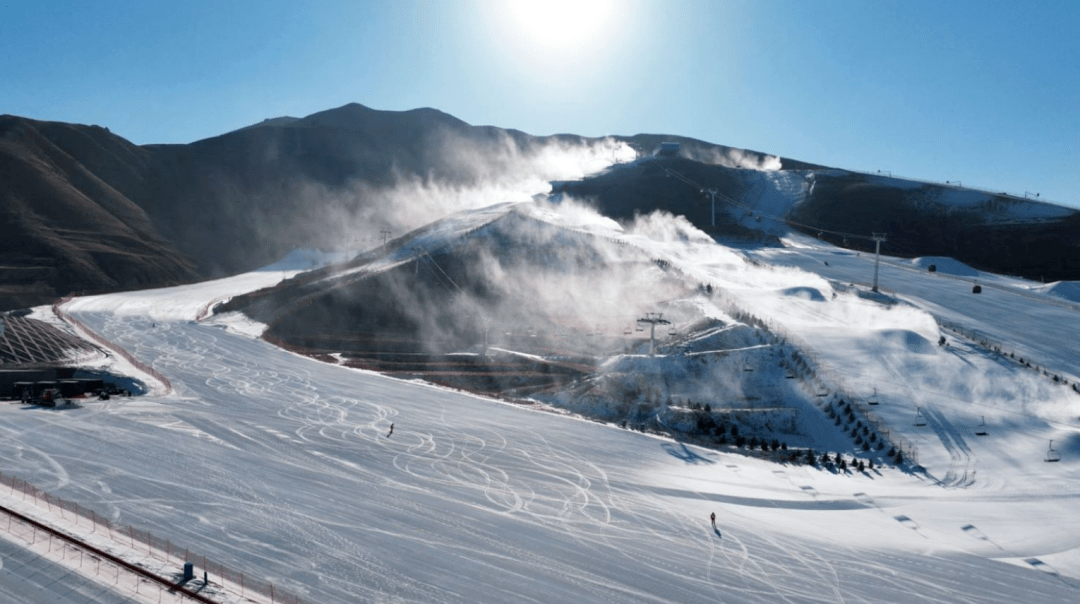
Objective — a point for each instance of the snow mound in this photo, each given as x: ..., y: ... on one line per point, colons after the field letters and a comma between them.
x: 947, y: 265
x: 812, y: 294
x: 908, y: 340
x: 1070, y: 290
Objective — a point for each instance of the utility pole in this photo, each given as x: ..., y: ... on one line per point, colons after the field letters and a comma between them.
x: 712, y: 193
x: 653, y: 319
x: 878, y: 239
x: 384, y: 234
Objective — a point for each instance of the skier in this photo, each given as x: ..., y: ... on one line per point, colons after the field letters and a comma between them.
x: 391, y: 431
x: 712, y: 517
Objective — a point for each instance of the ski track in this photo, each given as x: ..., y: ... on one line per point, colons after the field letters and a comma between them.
x: 961, y: 472
x: 367, y: 516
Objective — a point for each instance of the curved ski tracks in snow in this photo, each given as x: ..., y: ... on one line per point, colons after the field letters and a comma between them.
x: 288, y: 469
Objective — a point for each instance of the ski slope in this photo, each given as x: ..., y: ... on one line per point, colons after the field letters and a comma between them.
x: 281, y: 465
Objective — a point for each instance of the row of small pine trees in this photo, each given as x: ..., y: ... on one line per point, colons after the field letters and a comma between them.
x: 838, y: 461
x: 861, y: 434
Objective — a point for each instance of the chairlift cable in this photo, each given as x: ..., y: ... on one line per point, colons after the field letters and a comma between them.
x: 735, y: 202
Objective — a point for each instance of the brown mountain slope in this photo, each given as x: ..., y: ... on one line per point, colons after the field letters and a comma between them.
x: 66, y: 225
x: 246, y: 198
x: 85, y: 210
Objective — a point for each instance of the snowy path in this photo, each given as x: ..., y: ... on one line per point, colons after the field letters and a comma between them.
x: 27, y: 578
x: 282, y: 465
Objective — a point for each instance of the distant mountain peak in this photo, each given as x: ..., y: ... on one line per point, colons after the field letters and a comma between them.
x: 355, y: 115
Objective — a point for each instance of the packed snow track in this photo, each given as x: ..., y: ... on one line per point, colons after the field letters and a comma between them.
x: 283, y: 465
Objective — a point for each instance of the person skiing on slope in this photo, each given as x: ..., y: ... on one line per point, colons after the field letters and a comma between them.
x: 391, y: 431
x: 712, y: 518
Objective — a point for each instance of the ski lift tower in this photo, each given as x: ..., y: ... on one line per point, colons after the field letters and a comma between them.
x: 878, y: 239
x: 653, y: 319
x: 712, y: 193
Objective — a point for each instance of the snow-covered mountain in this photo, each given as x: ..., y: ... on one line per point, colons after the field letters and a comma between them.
x: 87, y: 211
x: 996, y: 232
x: 281, y: 465
x: 481, y: 396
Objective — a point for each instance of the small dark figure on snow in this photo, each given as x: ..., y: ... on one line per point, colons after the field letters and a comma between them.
x: 712, y: 518
x: 391, y: 431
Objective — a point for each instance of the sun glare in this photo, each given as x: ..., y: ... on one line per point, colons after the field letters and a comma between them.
x: 555, y: 23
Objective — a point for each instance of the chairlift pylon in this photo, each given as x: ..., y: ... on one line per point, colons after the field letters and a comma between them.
x: 980, y: 430
x: 1051, y: 454
x: 920, y: 419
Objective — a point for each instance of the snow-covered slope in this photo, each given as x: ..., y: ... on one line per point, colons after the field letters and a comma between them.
x: 282, y: 465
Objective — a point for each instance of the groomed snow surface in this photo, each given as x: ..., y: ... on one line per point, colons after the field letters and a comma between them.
x: 282, y: 466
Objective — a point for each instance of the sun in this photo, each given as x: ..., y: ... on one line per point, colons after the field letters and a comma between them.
x: 549, y: 44
x: 557, y: 23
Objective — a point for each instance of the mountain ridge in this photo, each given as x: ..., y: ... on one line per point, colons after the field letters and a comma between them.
x: 91, y: 211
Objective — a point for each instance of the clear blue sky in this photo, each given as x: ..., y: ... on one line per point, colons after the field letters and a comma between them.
x: 983, y: 92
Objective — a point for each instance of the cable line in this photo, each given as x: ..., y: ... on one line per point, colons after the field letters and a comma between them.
x: 735, y: 202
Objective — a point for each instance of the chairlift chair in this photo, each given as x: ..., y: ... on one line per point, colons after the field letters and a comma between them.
x: 980, y: 430
x: 873, y: 400
x: 1051, y: 454
x: 920, y: 419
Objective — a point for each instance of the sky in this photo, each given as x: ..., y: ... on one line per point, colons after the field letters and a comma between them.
x: 984, y: 93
